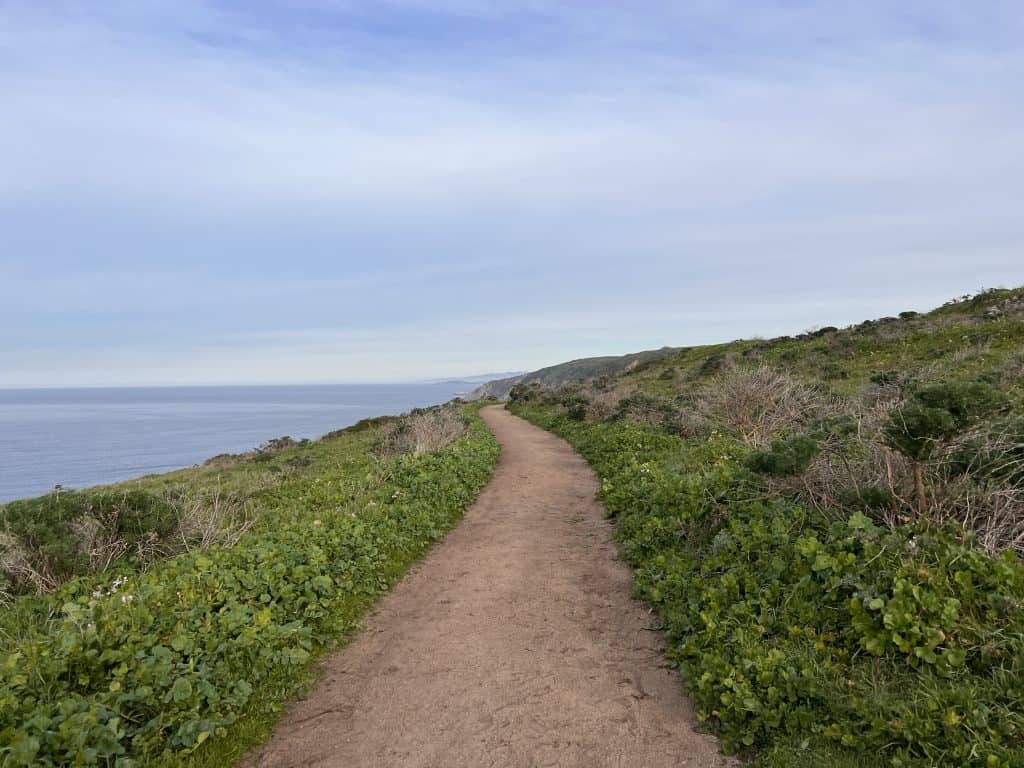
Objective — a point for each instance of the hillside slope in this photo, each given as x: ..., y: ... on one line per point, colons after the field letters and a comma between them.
x: 830, y: 527
x: 572, y: 371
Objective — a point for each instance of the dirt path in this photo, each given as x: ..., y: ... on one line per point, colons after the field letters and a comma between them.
x: 515, y: 642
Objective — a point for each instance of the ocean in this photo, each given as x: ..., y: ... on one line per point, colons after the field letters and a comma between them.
x: 83, y: 437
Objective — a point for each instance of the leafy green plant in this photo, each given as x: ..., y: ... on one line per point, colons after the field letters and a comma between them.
x: 936, y: 414
x: 56, y: 529
x: 865, y: 644
x: 170, y: 662
x: 576, y: 406
x: 789, y: 455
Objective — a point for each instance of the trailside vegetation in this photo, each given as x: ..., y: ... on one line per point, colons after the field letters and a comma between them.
x: 830, y: 529
x: 188, y: 658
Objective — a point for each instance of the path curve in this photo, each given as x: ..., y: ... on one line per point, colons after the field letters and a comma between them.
x: 514, y: 642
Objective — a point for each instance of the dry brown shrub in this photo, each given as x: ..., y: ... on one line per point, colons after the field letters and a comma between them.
x: 985, y: 494
x: 970, y: 352
x: 1013, y: 372
x: 854, y: 463
x: 603, y: 403
x: 22, y: 567
x: 425, y: 431
x: 202, y: 521
x: 225, y: 460
x: 646, y: 410
x: 758, y: 403
x: 97, y: 539
x: 211, y: 520
x: 993, y: 513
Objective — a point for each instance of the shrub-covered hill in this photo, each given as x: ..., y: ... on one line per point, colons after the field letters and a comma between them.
x: 164, y: 621
x: 572, y: 371
x: 830, y: 527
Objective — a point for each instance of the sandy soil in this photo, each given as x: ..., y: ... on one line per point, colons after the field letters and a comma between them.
x: 515, y: 642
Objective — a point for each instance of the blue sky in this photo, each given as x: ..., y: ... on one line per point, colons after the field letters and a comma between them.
x: 235, y: 191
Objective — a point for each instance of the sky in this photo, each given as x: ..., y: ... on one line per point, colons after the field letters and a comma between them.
x: 288, y: 191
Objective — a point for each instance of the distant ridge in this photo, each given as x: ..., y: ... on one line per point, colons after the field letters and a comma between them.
x: 479, y: 378
x: 574, y: 370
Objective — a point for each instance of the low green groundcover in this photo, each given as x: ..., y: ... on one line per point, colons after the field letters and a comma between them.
x: 129, y: 670
x: 902, y: 647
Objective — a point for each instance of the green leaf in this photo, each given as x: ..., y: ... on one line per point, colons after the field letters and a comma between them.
x: 181, y: 690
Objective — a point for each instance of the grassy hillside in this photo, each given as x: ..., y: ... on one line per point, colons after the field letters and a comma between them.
x: 164, y: 621
x: 572, y: 371
x: 830, y: 526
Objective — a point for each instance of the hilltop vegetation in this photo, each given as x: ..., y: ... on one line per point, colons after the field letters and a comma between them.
x: 166, y: 620
x: 830, y: 526
x: 572, y: 371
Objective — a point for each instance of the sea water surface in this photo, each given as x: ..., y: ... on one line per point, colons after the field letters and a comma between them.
x: 83, y: 437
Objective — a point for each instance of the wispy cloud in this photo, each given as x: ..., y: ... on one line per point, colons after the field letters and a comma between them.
x: 194, y: 170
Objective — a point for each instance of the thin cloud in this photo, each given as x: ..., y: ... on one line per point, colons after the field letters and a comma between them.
x: 194, y: 174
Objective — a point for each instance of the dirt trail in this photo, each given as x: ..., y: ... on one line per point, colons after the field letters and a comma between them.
x: 515, y: 642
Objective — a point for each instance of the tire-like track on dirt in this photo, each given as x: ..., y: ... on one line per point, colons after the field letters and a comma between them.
x: 515, y: 642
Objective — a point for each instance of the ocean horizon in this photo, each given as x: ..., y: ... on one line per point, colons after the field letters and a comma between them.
x: 81, y: 437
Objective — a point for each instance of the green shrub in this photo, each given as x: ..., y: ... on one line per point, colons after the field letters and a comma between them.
x: 965, y: 401
x: 935, y: 415
x: 903, y: 647
x: 787, y: 456
x: 871, y: 499
x: 712, y: 364
x: 46, y: 526
x: 576, y: 406
x: 167, y: 661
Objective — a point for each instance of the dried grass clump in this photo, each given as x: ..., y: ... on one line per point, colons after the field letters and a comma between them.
x: 853, y: 465
x: 425, y: 431
x: 971, y: 352
x: 995, y: 514
x: 98, y: 539
x: 975, y: 481
x: 604, y: 402
x: 758, y: 403
x: 21, y: 567
x: 978, y: 481
x: 209, y: 521
x: 647, y: 410
x: 1012, y: 374
x: 106, y: 534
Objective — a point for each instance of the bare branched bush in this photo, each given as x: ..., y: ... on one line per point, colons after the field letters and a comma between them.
x: 758, y: 403
x: 854, y: 467
x: 975, y: 481
x: 98, y: 539
x: 105, y: 534
x: 978, y: 481
x: 425, y: 431
x: 22, y: 567
x: 647, y: 410
x: 211, y: 520
x: 602, y: 406
x: 604, y: 402
x: 994, y: 513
